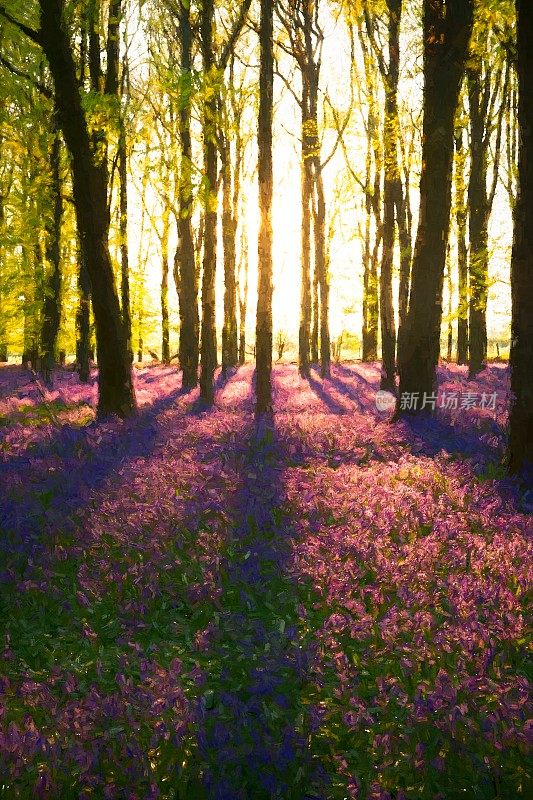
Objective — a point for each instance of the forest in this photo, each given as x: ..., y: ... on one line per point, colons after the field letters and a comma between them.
x: 266, y: 399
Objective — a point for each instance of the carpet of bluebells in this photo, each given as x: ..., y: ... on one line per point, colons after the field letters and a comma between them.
x: 315, y: 606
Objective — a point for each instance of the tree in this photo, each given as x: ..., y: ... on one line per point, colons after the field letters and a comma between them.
x: 486, y: 81
x: 264, y: 299
x: 214, y: 65
x: 90, y: 185
x: 521, y: 419
x: 447, y: 29
x: 52, y: 291
x: 184, y: 262
x: 393, y: 204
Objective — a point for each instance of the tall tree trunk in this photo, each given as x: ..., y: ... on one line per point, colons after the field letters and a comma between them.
x: 315, y: 308
x: 304, y: 336
x: 230, y: 353
x: 391, y: 186
x: 3, y: 342
x: 322, y: 271
x: 83, y: 319
x: 447, y: 31
x: 243, y: 296
x: 372, y: 188
x: 449, y: 350
x: 123, y: 230
x: 165, y: 336
x: 521, y: 421
x: 462, y: 250
x: 52, y: 293
x: 209, y: 335
x: 264, y: 298
x: 184, y: 264
x: 116, y: 393
x: 479, y: 221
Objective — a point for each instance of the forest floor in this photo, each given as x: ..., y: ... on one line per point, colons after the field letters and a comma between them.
x: 320, y: 605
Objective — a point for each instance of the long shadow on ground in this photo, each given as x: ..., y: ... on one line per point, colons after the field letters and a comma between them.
x: 252, y: 721
x: 54, y: 478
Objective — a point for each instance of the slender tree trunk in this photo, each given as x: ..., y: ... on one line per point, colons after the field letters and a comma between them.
x: 447, y: 30
x: 243, y: 297
x: 322, y: 272
x: 315, y: 309
x: 184, y: 264
x: 479, y: 221
x: 230, y: 354
x: 390, y: 189
x: 304, y: 336
x: 449, y: 350
x: 264, y: 298
x: 83, y: 319
x: 462, y: 250
x: 123, y: 230
x: 370, y: 254
x: 116, y: 393
x: 209, y: 336
x: 165, y: 335
x: 3, y: 342
x: 521, y: 420
x: 52, y: 293
x: 405, y: 226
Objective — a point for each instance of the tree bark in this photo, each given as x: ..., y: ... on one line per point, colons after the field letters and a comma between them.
x: 83, y: 319
x: 447, y: 31
x: 243, y: 296
x: 264, y: 298
x: 184, y: 263
x: 52, y: 292
x: 116, y: 393
x: 478, y: 222
x: 230, y: 349
x: 391, y: 186
x: 304, y: 336
x: 321, y: 267
x: 462, y: 251
x: 521, y: 419
x: 165, y: 335
x: 209, y: 335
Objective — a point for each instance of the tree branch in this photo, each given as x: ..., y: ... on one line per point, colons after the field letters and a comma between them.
x: 35, y: 36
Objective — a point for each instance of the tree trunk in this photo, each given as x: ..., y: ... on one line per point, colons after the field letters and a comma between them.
x: 52, y: 293
x: 124, y: 253
x: 462, y: 252
x: 165, y: 335
x: 521, y: 420
x: 315, y: 309
x: 230, y: 354
x: 116, y: 393
x: 370, y: 254
x: 479, y: 220
x: 243, y: 297
x: 184, y: 263
x: 390, y: 188
x: 321, y: 268
x: 447, y: 30
x: 304, y: 336
x: 264, y: 298
x: 83, y: 320
x: 209, y: 335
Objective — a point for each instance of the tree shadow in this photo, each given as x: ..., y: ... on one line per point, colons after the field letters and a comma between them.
x: 252, y: 722
x: 53, y: 479
x: 332, y: 405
